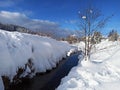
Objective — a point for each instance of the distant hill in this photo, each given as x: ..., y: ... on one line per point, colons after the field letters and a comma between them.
x: 12, y: 28
x: 57, y: 34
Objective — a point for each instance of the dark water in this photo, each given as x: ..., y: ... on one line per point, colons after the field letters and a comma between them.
x: 51, y: 79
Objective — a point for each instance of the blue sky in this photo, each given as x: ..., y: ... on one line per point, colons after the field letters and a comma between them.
x: 63, y: 12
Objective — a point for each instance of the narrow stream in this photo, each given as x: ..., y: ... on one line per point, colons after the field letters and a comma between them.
x: 51, y: 79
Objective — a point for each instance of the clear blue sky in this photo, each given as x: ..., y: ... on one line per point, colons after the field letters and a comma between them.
x: 64, y: 12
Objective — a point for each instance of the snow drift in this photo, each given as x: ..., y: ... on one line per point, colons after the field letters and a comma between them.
x: 102, y: 72
x: 17, y: 48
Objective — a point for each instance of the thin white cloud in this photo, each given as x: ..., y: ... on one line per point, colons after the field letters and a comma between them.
x: 12, y: 17
x: 34, y: 24
x: 7, y: 14
x: 22, y: 19
x: 8, y: 3
x: 71, y: 21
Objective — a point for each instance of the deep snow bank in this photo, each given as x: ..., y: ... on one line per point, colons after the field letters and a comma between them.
x: 17, y: 48
x: 102, y: 73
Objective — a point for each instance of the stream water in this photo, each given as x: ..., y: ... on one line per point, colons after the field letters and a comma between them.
x: 51, y: 79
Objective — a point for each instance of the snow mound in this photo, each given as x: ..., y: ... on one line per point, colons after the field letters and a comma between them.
x: 102, y: 72
x: 80, y: 45
x: 16, y: 49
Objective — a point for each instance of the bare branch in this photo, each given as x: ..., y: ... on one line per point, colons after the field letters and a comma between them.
x: 90, y: 22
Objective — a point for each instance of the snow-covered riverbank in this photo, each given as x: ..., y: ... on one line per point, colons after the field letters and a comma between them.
x: 102, y: 72
x: 18, y: 49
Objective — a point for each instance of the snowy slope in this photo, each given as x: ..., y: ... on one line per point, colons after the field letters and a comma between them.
x: 17, y: 48
x: 102, y: 73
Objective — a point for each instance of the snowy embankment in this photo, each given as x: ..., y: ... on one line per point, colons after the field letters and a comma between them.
x: 30, y: 52
x: 102, y: 72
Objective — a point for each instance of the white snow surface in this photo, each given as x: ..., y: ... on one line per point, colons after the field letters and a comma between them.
x: 16, y: 48
x: 102, y: 72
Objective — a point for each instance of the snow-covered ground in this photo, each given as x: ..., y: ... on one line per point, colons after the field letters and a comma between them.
x: 17, y: 48
x: 102, y: 72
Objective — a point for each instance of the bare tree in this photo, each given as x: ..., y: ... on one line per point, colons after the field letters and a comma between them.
x: 90, y: 21
x: 96, y: 37
x: 113, y: 35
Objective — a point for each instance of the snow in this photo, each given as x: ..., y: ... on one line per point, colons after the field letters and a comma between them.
x: 17, y: 48
x: 80, y: 46
x: 83, y: 17
x: 102, y: 72
x: 72, y: 50
x: 91, y: 11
